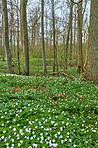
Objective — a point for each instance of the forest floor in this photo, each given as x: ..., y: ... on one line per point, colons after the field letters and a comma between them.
x: 47, y: 111
x: 36, y: 66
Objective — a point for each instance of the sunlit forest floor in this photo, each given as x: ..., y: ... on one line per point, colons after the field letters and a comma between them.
x: 47, y: 111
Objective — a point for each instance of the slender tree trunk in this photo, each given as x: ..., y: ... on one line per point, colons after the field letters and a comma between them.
x: 46, y: 31
x: 54, y: 64
x: 71, y: 36
x: 6, y: 36
x: 54, y: 45
x: 34, y: 35
x: 80, y: 20
x: 38, y: 35
x: 1, y: 36
x: 14, y: 46
x: 68, y: 33
x: 75, y: 50
x: 85, y: 64
x: 13, y: 31
x: 32, y: 38
x: 50, y: 33
x: 64, y: 45
x: 3, y: 47
x: 42, y: 33
x: 21, y: 26
x: 18, y: 53
x: 11, y: 27
x: 25, y: 37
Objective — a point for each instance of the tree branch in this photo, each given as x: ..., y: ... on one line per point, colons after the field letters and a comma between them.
x: 76, y: 2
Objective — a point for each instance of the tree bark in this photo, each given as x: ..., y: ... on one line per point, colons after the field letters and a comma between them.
x: 6, y: 36
x: 92, y: 64
x: 71, y: 35
x: 80, y: 21
x: 42, y: 34
x: 21, y: 26
x: 18, y: 53
x: 75, y: 48
x: 25, y: 37
x: 68, y: 33
x: 85, y: 64
x: 11, y: 26
x: 54, y: 45
x: 3, y: 48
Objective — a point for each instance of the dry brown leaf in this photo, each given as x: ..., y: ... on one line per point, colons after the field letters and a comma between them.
x: 53, y: 127
x: 80, y: 96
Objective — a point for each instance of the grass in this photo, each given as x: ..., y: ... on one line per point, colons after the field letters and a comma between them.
x: 36, y: 66
x: 36, y: 61
x: 3, y: 66
x: 47, y: 112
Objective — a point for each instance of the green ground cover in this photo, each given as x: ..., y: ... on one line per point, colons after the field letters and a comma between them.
x: 36, y: 66
x: 48, y: 112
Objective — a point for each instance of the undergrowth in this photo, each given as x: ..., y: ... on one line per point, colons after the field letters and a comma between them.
x: 47, y: 112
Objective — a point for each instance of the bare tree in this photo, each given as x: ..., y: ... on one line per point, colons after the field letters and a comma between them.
x: 80, y: 21
x: 68, y: 33
x: 25, y: 37
x: 54, y: 44
x: 6, y: 36
x: 42, y: 34
x: 71, y: 35
x: 18, y: 51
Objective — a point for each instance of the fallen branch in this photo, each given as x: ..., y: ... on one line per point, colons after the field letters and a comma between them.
x: 57, y: 73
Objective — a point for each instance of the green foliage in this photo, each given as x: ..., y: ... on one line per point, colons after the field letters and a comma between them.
x: 47, y: 112
x: 3, y: 66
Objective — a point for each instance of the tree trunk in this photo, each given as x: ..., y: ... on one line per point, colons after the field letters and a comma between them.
x: 25, y: 37
x: 42, y: 33
x: 92, y: 64
x: 11, y: 26
x: 21, y: 26
x: 1, y: 36
x: 75, y: 50
x: 85, y: 64
x: 68, y: 33
x: 13, y: 31
x: 71, y: 35
x: 46, y: 30
x: 80, y: 21
x: 18, y: 53
x: 50, y: 36
x: 54, y: 45
x: 3, y: 47
x: 6, y: 36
